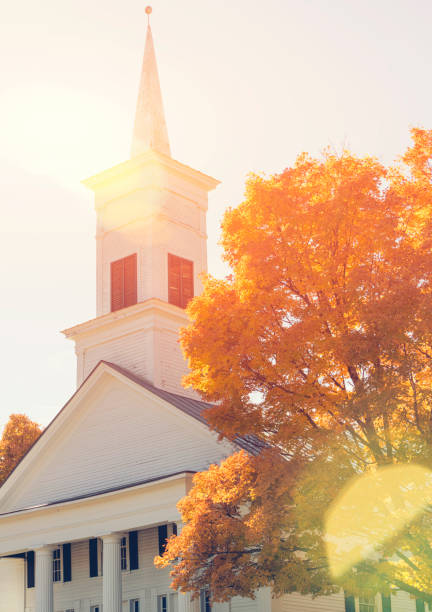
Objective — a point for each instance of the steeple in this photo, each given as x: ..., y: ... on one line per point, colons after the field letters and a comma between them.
x: 151, y: 251
x: 150, y: 130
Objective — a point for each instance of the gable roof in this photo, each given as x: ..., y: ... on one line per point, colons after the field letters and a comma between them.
x: 190, y: 407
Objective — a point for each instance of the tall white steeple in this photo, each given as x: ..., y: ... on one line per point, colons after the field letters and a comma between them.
x: 150, y: 130
x: 151, y: 250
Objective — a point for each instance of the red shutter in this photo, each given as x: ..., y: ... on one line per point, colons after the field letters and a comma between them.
x: 130, y: 280
x: 180, y: 281
x: 174, y: 280
x: 117, y: 283
x: 187, y: 289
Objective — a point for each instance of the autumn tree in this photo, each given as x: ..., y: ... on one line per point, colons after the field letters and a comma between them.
x: 18, y: 435
x: 320, y: 344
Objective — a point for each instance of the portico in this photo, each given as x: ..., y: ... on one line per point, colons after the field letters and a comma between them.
x: 43, y: 529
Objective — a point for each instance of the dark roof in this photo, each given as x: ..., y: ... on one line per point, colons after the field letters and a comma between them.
x: 192, y: 407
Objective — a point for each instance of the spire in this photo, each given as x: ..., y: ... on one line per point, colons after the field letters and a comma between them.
x: 150, y: 130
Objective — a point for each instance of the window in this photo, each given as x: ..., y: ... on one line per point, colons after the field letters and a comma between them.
x: 133, y: 550
x: 70, y: 610
x: 366, y: 604
x: 67, y: 562
x: 162, y: 603
x: 134, y: 605
x: 57, y: 573
x: 162, y: 535
x: 30, y: 569
x: 123, y: 553
x: 205, y: 605
x: 180, y: 281
x: 95, y: 609
x: 123, y: 282
x: 93, y: 557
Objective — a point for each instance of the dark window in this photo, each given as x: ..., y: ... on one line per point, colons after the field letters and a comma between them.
x: 180, y: 281
x: 30, y: 569
x: 162, y: 603
x: 93, y: 557
x: 123, y: 554
x: 205, y: 605
x: 133, y: 550
x: 57, y: 568
x: 174, y: 528
x: 124, y: 282
x: 386, y: 603
x: 349, y: 603
x: 67, y: 563
x: 163, y: 534
x: 134, y: 605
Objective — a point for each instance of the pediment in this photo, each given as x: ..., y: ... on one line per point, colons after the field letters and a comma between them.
x: 116, y: 431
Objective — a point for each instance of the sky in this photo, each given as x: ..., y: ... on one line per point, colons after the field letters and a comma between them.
x: 247, y: 86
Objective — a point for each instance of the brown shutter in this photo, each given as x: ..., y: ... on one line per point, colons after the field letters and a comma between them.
x: 117, y: 283
x: 187, y: 289
x: 130, y: 280
x: 174, y: 280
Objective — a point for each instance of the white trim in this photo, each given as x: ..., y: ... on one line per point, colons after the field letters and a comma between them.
x: 23, y: 471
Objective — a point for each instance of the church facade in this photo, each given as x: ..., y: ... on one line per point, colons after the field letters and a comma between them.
x: 91, y: 504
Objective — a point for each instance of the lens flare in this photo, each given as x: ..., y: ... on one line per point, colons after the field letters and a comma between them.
x: 372, y: 509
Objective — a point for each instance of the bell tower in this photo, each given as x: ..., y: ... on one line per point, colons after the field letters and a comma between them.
x: 150, y: 249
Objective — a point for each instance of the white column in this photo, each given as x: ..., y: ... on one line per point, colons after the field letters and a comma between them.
x: 264, y: 599
x: 44, y: 579
x: 184, y: 602
x: 112, y: 580
x: 153, y: 600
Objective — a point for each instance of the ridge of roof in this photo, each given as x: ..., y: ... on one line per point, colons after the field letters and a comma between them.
x: 192, y: 407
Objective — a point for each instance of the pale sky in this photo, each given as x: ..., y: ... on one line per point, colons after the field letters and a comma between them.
x: 247, y: 85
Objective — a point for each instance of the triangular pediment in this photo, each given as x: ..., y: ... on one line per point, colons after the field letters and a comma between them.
x: 116, y: 431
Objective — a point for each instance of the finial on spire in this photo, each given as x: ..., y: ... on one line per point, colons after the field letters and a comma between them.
x: 148, y: 10
x: 150, y: 131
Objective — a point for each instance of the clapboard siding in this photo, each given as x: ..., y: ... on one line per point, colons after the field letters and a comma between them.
x: 402, y: 602
x: 120, y: 436
x: 173, y: 367
x: 305, y: 603
x: 240, y: 604
x: 132, y: 352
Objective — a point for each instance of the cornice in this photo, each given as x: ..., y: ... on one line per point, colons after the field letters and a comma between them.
x: 111, y: 319
x: 148, y: 158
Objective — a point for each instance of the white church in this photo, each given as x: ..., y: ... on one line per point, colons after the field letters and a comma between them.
x: 91, y: 504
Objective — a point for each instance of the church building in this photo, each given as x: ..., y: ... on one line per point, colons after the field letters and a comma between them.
x: 91, y: 504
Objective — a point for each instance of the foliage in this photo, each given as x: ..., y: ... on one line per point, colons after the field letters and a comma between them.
x: 320, y: 343
x: 18, y: 435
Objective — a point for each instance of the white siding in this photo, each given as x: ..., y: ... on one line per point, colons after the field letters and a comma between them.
x: 402, y: 602
x: 240, y: 604
x: 133, y: 352
x: 295, y: 602
x: 11, y: 585
x: 120, y: 436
